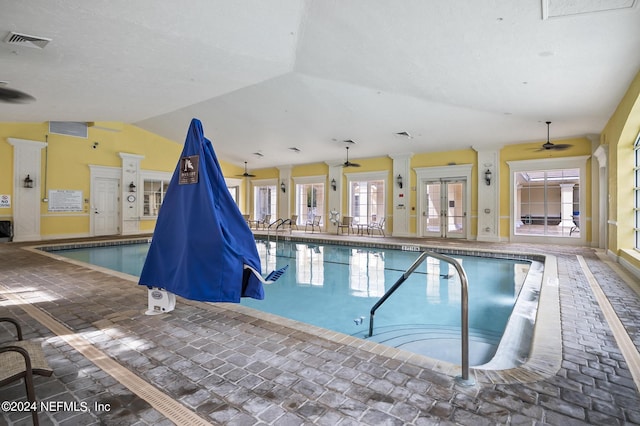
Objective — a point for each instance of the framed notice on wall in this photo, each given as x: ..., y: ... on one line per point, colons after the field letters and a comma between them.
x: 65, y: 200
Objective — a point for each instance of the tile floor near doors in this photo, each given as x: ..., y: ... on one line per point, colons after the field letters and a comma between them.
x: 217, y: 364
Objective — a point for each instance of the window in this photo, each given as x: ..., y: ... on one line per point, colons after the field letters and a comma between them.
x: 235, y: 192
x: 366, y: 200
x: 636, y: 190
x: 548, y: 199
x: 310, y: 199
x: 154, y: 191
x: 234, y: 189
x: 264, y: 202
x: 548, y: 203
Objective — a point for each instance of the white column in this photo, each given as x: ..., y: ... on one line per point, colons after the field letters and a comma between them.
x: 488, y: 195
x: 131, y: 198
x: 284, y: 198
x: 566, y: 204
x: 334, y: 198
x: 401, y: 202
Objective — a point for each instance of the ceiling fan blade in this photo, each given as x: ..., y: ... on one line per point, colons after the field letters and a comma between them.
x: 12, y: 96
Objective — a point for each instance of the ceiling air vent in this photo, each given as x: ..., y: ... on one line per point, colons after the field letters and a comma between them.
x: 18, y: 39
x: 69, y: 128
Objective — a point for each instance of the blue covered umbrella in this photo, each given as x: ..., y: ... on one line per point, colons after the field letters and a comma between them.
x: 202, y: 247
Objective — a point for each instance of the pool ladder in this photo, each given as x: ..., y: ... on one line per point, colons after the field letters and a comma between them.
x: 278, y: 223
x: 464, y: 308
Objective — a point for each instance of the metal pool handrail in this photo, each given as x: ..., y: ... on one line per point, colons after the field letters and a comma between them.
x: 464, y: 308
x: 279, y: 222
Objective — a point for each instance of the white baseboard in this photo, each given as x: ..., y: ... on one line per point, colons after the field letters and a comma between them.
x: 629, y: 267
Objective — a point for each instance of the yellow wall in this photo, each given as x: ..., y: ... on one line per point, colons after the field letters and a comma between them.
x: 315, y: 169
x: 620, y: 134
x: 67, y: 161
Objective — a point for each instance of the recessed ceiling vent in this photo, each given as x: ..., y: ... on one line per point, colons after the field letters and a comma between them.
x: 25, y: 40
x: 69, y: 128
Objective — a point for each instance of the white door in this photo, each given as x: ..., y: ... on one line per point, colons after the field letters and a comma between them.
x: 106, y: 202
x: 444, y: 212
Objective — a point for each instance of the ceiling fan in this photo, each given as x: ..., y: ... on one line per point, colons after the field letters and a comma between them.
x: 246, y: 174
x: 549, y: 145
x: 13, y: 96
x: 349, y: 163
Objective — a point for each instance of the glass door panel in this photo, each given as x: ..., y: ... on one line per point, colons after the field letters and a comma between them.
x: 444, y: 213
x: 432, y: 213
x: 456, y: 211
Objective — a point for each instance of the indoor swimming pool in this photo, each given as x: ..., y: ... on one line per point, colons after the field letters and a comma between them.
x: 335, y: 286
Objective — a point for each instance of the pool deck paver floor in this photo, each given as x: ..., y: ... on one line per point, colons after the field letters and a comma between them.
x: 238, y: 369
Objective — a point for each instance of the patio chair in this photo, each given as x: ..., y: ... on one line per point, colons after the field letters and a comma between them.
x: 264, y: 223
x: 376, y: 226
x: 22, y: 359
x: 293, y: 222
x: 576, y: 223
x: 347, y: 222
x: 313, y: 223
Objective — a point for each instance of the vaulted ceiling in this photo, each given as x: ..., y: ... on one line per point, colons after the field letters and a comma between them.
x: 265, y: 76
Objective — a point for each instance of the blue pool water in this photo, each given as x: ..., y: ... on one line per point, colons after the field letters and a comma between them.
x: 334, y: 287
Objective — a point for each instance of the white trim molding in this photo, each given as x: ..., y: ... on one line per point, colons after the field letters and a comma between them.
x: 425, y: 174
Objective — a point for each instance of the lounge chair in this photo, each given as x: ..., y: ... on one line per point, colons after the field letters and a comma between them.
x: 313, y: 223
x: 293, y: 222
x: 347, y: 222
x: 264, y: 223
x: 21, y: 359
x: 376, y: 226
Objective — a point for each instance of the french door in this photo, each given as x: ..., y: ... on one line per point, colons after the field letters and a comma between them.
x: 444, y: 213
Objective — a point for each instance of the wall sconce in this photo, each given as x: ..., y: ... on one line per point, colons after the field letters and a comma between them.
x: 283, y: 187
x: 132, y: 187
x: 28, y: 182
x: 334, y: 185
x: 487, y: 177
x: 399, y: 181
